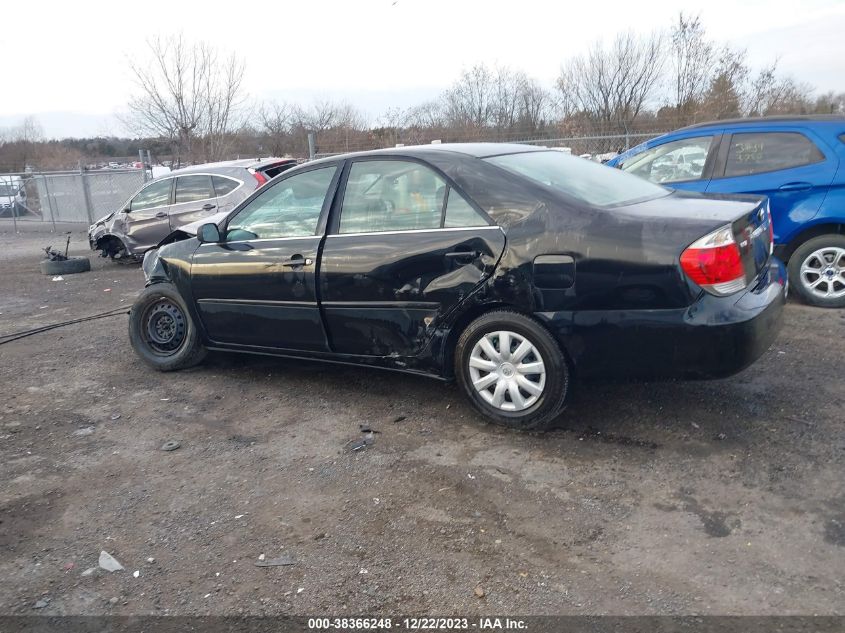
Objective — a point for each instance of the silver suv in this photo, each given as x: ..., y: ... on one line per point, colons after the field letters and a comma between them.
x: 181, y: 197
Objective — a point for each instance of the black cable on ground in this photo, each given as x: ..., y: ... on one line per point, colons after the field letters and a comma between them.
x: 8, y: 338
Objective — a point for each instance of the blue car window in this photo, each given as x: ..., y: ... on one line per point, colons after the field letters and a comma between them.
x: 759, y: 152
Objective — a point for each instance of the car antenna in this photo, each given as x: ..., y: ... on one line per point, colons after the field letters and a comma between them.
x: 67, y: 244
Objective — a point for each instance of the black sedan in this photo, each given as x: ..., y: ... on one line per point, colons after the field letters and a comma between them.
x: 512, y: 269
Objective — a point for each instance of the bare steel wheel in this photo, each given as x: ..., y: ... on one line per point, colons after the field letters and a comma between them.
x: 164, y: 327
x: 817, y: 271
x: 162, y: 331
x: 512, y: 370
x: 507, y: 370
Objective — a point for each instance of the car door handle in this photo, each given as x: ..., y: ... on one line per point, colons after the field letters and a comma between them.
x: 298, y: 261
x: 208, y: 207
x: 161, y: 214
x: 796, y: 186
x: 462, y: 254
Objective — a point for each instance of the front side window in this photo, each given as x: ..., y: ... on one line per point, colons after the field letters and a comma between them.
x: 391, y: 195
x: 193, y: 188
x: 290, y: 208
x: 156, y: 194
x: 759, y: 152
x: 671, y: 162
x: 579, y: 178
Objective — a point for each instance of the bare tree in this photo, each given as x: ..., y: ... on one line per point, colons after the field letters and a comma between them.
x: 691, y: 62
x: 611, y: 86
x: 19, y: 144
x: 770, y: 93
x: 469, y: 102
x: 830, y: 103
x: 276, y: 120
x: 189, y: 94
x: 726, y: 95
x: 325, y: 115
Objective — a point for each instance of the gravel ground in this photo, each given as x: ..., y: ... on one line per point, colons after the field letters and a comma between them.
x: 723, y: 497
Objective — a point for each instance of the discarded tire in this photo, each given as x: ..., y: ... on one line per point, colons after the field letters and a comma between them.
x: 65, y: 266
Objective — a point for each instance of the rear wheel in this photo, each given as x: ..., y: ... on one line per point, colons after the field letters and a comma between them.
x: 161, y: 330
x: 817, y: 271
x: 512, y: 370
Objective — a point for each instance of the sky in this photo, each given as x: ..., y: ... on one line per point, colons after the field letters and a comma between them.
x: 66, y: 63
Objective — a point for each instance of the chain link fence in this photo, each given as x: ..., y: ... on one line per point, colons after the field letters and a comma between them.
x: 50, y: 198
x: 81, y: 197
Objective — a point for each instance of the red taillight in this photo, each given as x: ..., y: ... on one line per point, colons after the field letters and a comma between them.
x: 261, y: 178
x: 714, y: 263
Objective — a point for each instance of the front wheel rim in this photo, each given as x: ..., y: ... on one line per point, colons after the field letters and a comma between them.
x: 164, y: 327
x: 507, y: 371
x: 823, y: 273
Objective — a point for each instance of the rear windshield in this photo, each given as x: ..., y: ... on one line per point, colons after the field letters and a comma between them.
x: 590, y: 182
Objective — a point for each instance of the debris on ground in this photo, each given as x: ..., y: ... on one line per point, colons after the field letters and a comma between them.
x: 68, y: 566
x: 366, y: 428
x: 55, y: 256
x: 88, y: 571
x: 479, y: 591
x: 85, y: 430
x: 136, y: 573
x: 398, y: 418
x: 170, y: 445
x: 367, y: 439
x: 282, y: 561
x: 109, y: 562
x: 40, y: 604
x: 151, y: 560
x: 58, y: 278
x: 116, y: 416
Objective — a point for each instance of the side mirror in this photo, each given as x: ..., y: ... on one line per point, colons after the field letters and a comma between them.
x: 209, y: 233
x: 127, y: 210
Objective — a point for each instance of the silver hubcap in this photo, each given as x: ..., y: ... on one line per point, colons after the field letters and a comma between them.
x: 823, y: 272
x: 507, y: 370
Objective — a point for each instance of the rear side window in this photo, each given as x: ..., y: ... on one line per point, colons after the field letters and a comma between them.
x: 459, y: 213
x: 193, y: 188
x: 391, y: 195
x: 759, y: 152
x: 580, y: 178
x: 223, y: 185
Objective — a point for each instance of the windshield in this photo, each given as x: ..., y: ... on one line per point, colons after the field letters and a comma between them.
x: 7, y: 191
x: 580, y: 178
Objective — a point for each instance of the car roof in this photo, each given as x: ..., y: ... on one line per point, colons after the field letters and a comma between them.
x: 763, y: 120
x: 476, y: 150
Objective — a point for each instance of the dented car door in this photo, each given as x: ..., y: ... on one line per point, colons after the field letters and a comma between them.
x: 406, y: 248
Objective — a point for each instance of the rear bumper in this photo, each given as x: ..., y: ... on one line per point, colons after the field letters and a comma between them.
x: 713, y: 338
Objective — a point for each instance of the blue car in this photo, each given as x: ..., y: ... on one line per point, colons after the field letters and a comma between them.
x: 797, y: 161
